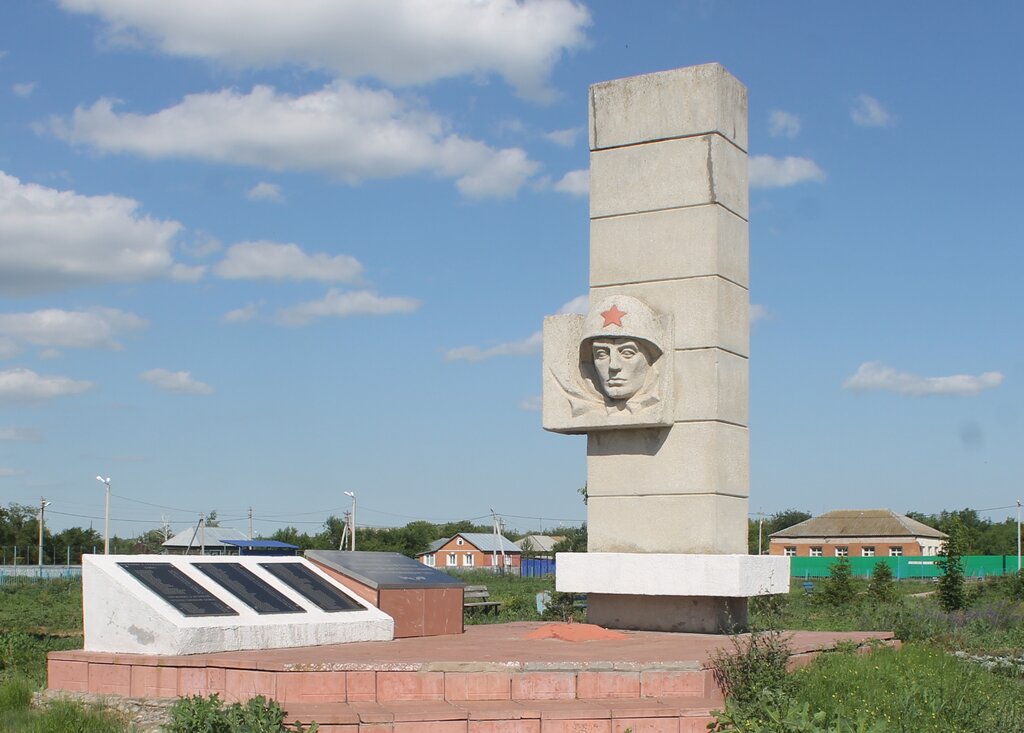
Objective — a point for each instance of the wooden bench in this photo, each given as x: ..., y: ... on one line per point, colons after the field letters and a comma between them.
x: 475, y: 598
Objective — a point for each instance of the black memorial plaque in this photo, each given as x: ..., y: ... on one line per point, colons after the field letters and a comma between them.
x: 252, y: 590
x: 384, y: 569
x: 310, y: 585
x: 177, y: 589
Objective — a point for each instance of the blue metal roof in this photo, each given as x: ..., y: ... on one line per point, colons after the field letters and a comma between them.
x: 261, y: 543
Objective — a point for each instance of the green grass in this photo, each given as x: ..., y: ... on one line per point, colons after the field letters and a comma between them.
x: 36, y: 617
x: 921, y: 688
x: 57, y: 717
x: 42, y: 606
x: 517, y: 596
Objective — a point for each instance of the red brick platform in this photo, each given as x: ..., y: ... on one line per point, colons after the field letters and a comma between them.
x: 492, y: 679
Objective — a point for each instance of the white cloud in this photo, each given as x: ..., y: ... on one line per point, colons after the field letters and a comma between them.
x: 25, y: 384
x: 264, y: 191
x: 533, y: 403
x: 565, y: 138
x: 579, y: 305
x: 273, y: 261
x: 869, y: 112
x: 25, y: 89
x: 245, y: 313
x: 768, y: 172
x: 758, y: 313
x: 19, y: 435
x: 178, y: 382
x: 340, y: 304
x: 399, y: 42
x: 876, y: 376
x: 345, y: 131
x: 96, y: 328
x: 575, y: 183
x: 783, y: 124
x: 532, y: 344
x: 8, y: 348
x: 51, y: 240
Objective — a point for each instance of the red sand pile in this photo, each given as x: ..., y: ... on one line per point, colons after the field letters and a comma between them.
x: 574, y: 632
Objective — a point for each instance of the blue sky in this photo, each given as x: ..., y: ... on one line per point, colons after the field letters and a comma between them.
x: 256, y: 254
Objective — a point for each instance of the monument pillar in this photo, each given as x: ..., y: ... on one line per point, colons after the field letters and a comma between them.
x: 668, y: 466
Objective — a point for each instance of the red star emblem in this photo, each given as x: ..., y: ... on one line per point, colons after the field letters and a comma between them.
x: 613, y: 315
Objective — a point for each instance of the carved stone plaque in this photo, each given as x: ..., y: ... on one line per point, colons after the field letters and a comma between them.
x: 311, y: 586
x: 253, y: 591
x: 610, y: 369
x: 177, y: 589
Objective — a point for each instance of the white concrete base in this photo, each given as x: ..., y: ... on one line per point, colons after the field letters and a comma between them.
x: 122, y: 615
x: 657, y: 574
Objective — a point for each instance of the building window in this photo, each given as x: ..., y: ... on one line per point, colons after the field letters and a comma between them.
x: 867, y: 552
x: 467, y: 559
x: 842, y: 551
x: 789, y: 551
x: 494, y: 560
x: 451, y: 559
x: 896, y: 551
x: 815, y: 552
x: 429, y: 560
x: 460, y: 542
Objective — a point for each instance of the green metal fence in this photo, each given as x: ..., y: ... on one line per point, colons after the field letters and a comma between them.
x: 906, y: 567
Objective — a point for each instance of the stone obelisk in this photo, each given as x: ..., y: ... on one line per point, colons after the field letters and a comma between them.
x: 657, y: 373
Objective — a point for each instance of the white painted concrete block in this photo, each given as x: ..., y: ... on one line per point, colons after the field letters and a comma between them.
x: 663, y: 245
x: 708, y: 312
x: 662, y: 574
x: 677, y: 103
x: 712, y: 384
x: 123, y: 615
x: 684, y: 523
x: 689, y: 458
x: 669, y: 174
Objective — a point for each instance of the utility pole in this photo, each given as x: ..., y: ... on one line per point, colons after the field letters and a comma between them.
x: 106, y: 516
x: 202, y: 534
x: 760, y: 529
x: 43, y: 503
x: 344, y: 530
x: 353, y: 519
x: 250, y: 523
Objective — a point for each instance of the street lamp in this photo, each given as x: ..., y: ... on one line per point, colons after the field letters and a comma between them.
x: 352, y: 546
x: 106, y: 516
x: 43, y: 503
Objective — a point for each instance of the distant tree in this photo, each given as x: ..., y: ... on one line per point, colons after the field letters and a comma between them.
x: 882, y: 586
x: 211, y: 519
x: 838, y: 589
x: 952, y: 590
x: 772, y: 523
x: 575, y: 539
x: 73, y: 542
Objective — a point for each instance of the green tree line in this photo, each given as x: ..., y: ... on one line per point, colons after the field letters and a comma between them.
x: 19, y: 527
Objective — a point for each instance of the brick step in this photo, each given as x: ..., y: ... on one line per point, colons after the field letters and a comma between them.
x: 661, y: 715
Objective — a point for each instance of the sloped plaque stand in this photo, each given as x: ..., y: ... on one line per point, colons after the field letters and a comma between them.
x: 168, y: 604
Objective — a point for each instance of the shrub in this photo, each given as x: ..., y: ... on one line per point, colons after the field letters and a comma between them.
x: 757, y: 662
x: 839, y: 589
x: 882, y: 587
x: 952, y: 591
x: 199, y: 714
